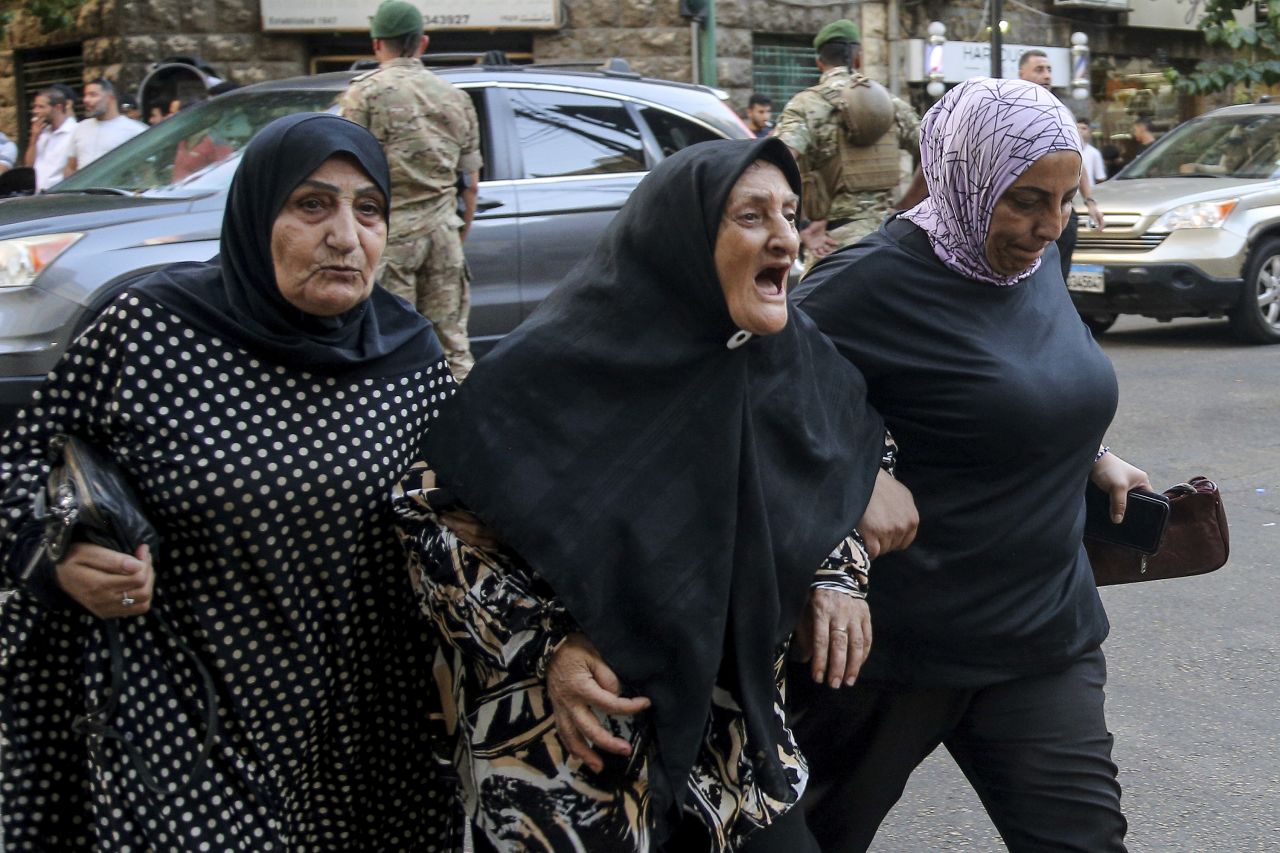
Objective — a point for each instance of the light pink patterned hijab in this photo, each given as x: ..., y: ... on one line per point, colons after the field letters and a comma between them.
x: 974, y: 143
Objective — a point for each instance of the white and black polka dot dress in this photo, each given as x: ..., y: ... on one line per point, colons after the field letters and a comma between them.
x: 279, y: 567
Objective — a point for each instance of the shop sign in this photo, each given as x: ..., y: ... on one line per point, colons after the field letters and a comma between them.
x: 346, y: 15
x: 964, y: 59
x: 1177, y: 14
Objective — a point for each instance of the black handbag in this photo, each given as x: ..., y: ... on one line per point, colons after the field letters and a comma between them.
x: 88, y: 498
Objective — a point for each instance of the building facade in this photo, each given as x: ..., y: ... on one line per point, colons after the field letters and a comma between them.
x: 759, y: 45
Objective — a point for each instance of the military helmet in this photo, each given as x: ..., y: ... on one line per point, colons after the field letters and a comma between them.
x: 866, y: 110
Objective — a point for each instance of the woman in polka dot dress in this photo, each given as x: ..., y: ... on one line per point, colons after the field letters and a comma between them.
x: 263, y: 404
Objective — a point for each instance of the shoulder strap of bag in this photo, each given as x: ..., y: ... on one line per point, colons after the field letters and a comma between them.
x: 95, y: 723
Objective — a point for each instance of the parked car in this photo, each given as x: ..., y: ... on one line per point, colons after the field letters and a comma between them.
x: 1192, y: 229
x: 562, y: 151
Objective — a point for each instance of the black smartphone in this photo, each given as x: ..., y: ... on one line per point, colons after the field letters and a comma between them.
x: 1146, y: 515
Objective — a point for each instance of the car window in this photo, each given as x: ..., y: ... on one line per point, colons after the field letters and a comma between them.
x: 565, y: 133
x: 185, y: 148
x: 486, y: 146
x: 674, y: 132
x: 1239, y: 146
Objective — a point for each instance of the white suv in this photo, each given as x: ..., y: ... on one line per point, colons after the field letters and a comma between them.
x: 1192, y: 229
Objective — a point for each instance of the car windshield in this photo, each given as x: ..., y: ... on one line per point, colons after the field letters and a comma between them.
x: 1230, y: 146
x: 183, y: 154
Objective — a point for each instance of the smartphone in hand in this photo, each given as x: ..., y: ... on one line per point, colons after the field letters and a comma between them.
x: 1146, y: 516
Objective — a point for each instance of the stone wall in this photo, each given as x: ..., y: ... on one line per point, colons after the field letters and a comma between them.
x: 657, y: 41
x: 651, y: 36
x: 736, y: 21
x: 121, y: 38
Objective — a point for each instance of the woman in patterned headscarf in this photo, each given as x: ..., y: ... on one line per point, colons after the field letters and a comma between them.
x: 261, y: 689
x: 989, y: 627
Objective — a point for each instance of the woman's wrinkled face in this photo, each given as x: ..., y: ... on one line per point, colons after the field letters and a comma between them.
x: 328, y: 238
x: 1032, y: 212
x: 755, y: 247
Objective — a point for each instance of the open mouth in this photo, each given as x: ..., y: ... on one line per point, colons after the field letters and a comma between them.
x: 772, y: 281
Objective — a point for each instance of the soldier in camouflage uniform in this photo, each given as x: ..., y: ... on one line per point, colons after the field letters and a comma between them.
x: 430, y: 133
x: 810, y: 126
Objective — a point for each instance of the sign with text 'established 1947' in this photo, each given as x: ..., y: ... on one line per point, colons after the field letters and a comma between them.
x: 353, y: 15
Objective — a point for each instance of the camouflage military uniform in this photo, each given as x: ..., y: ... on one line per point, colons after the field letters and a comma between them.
x: 810, y: 125
x: 429, y: 132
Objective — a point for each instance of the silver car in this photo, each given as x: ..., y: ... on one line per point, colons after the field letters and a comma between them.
x: 563, y: 150
x: 1192, y: 229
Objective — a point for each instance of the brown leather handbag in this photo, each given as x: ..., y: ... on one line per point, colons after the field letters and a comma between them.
x: 1195, y: 541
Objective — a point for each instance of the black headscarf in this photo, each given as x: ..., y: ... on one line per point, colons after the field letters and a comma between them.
x: 677, y: 494
x: 235, y: 297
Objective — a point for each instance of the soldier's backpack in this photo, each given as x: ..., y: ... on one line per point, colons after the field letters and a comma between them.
x: 868, y: 146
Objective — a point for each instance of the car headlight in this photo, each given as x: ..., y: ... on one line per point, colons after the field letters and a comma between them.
x: 24, y: 258
x: 1201, y: 214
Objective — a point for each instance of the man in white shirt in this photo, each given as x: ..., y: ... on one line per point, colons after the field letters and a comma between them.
x: 103, y: 127
x: 1034, y: 67
x: 51, y: 127
x: 1094, y: 166
x: 8, y: 153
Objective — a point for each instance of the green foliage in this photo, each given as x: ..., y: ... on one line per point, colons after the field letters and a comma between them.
x: 1257, y: 47
x: 50, y: 14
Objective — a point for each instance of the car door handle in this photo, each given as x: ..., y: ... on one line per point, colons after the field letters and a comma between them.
x: 483, y: 204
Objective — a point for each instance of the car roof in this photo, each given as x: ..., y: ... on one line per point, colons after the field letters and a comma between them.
x: 599, y: 77
x: 1244, y: 109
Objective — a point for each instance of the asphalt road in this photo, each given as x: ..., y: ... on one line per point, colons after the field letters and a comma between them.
x: 1194, y: 695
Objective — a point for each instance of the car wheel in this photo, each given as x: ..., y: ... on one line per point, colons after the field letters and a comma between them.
x: 1098, y: 323
x: 1256, y: 318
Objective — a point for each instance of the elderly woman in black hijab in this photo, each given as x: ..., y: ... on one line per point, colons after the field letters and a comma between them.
x: 667, y: 455
x: 267, y: 692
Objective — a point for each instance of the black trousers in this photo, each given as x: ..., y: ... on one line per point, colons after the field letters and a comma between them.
x: 1036, y: 750
x: 1067, y: 244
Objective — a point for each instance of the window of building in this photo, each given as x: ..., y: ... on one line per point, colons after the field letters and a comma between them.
x: 38, y: 69
x: 781, y: 65
x: 565, y: 133
x: 1135, y: 87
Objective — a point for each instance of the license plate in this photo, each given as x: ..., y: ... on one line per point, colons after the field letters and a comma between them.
x: 1087, y: 278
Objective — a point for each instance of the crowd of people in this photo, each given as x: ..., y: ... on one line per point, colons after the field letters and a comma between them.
x: 59, y: 143
x: 614, y: 591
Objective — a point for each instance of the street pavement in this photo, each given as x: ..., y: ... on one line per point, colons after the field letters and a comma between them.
x: 1193, y: 696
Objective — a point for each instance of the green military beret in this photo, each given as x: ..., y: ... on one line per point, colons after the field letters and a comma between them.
x: 842, y: 30
x: 395, y: 18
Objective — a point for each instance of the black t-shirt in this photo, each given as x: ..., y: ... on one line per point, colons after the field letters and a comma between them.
x: 998, y: 398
